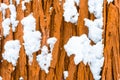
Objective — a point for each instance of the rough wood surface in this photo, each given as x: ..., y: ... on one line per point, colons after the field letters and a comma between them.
x: 51, y: 24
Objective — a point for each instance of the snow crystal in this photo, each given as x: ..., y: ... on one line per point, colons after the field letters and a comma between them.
x: 11, y: 53
x: 21, y: 78
x: 0, y: 78
x: 44, y: 59
x: 94, y: 27
x: 95, y: 7
x: 32, y: 38
x: 6, y: 26
x: 14, y: 22
x: 89, y: 54
x: 109, y: 1
x: 70, y: 11
x: 65, y: 74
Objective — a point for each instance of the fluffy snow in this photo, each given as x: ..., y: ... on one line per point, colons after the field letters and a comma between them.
x: 11, y: 53
x: 65, y: 74
x: 83, y: 51
x: 95, y: 7
x: 21, y: 78
x: 109, y: 1
x: 31, y: 37
x: 6, y: 26
x: 70, y: 11
x: 94, y: 27
x: 45, y: 57
x: 0, y: 78
x: 14, y: 22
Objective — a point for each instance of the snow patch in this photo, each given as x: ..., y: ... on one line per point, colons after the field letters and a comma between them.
x: 11, y: 53
x: 21, y: 78
x: 65, y: 74
x: 109, y: 1
x: 51, y: 42
x: 6, y: 26
x: 31, y: 37
x: 14, y: 22
x: 3, y: 7
x: 95, y: 29
x: 89, y: 54
x: 0, y: 78
x: 23, y: 4
x: 95, y: 7
x: 6, y: 21
x: 70, y: 11
x: 45, y: 57
x: 17, y: 2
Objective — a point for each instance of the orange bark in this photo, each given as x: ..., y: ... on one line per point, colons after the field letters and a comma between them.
x: 50, y: 22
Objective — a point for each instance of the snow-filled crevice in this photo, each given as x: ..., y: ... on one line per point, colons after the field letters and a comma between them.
x: 31, y: 37
x: 44, y: 59
x: 90, y: 54
x: 70, y: 11
x: 11, y: 53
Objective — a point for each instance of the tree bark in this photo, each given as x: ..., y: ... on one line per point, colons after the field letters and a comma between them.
x: 50, y: 22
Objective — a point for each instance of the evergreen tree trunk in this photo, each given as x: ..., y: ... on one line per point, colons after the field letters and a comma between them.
x: 50, y: 22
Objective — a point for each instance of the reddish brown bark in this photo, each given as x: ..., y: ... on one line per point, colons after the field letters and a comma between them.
x: 50, y: 22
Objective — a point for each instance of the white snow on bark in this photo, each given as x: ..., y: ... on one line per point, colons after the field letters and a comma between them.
x: 11, y: 53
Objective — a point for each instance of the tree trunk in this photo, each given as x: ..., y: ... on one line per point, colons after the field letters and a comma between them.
x: 50, y: 22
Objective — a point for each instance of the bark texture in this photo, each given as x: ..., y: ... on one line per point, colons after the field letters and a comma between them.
x: 50, y: 22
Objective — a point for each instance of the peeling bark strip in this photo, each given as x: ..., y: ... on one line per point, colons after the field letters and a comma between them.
x: 50, y: 22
